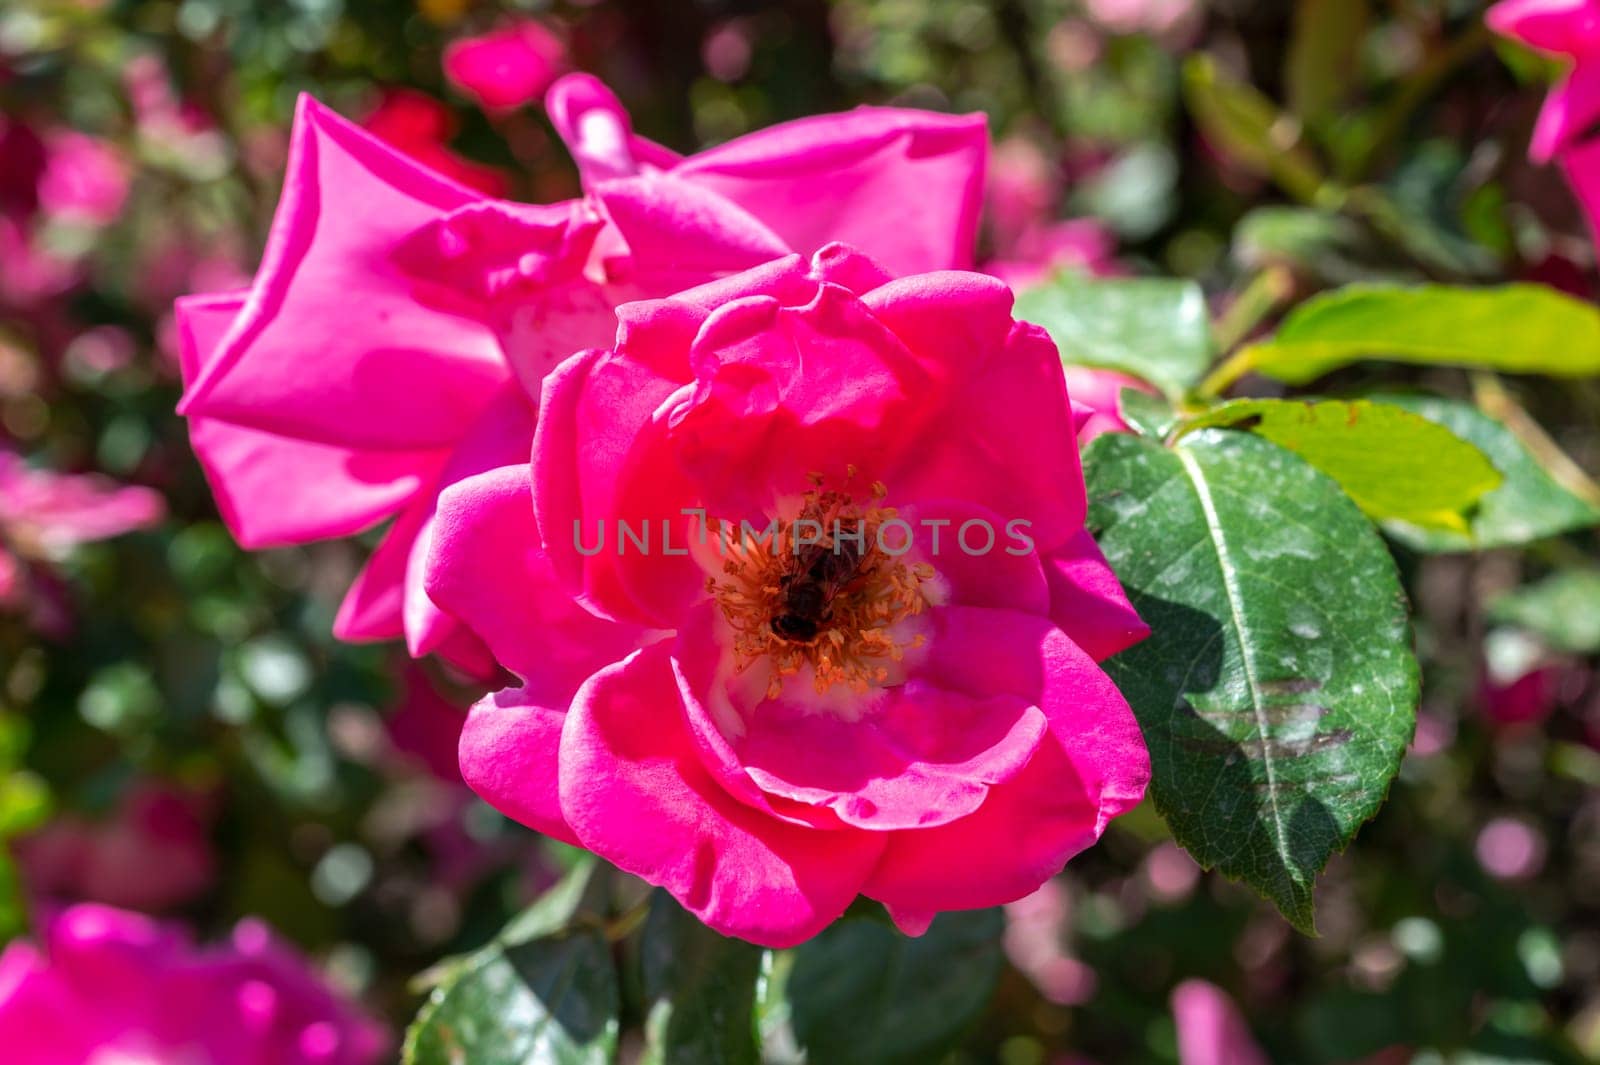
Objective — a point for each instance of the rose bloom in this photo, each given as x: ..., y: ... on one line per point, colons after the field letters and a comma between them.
x: 153, y: 853
x: 395, y: 338
x: 1569, y: 29
x: 44, y: 514
x: 106, y: 987
x: 764, y: 729
x: 506, y: 68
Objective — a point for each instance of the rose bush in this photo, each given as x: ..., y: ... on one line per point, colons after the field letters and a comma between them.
x: 939, y: 736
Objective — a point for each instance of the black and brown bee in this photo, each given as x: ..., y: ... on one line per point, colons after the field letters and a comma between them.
x: 805, y: 602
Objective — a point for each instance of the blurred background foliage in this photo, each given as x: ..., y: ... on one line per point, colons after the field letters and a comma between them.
x: 171, y: 674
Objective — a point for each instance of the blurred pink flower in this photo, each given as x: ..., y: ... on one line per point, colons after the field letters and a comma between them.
x: 105, y: 986
x: 1021, y: 192
x: 85, y: 179
x: 944, y: 739
x: 1210, y: 1030
x: 1095, y: 394
x: 1568, y: 29
x: 508, y: 67
x: 422, y: 128
x: 1161, y: 18
x: 1027, y: 242
x: 1081, y: 244
x: 153, y: 853
x: 434, y: 312
x: 1035, y: 941
x: 43, y: 513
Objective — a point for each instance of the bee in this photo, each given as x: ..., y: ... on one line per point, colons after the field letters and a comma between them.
x: 806, y: 596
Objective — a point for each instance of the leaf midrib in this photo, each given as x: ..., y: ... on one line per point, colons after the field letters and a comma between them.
x: 1202, y: 490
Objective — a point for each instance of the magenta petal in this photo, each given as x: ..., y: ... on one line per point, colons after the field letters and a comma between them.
x: 923, y: 757
x: 953, y: 536
x: 509, y: 749
x: 678, y: 234
x: 903, y: 186
x: 1582, y: 167
x: 971, y: 450
x: 332, y: 345
x: 487, y: 569
x: 374, y: 606
x: 522, y: 269
x: 1088, y: 602
x: 634, y: 791
x: 1093, y: 768
x: 597, y: 463
x: 598, y: 132
x: 917, y: 756
x: 1562, y: 27
x: 275, y: 490
x: 1571, y: 109
x: 952, y: 319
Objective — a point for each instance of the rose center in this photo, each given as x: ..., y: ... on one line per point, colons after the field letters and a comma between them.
x: 824, y: 590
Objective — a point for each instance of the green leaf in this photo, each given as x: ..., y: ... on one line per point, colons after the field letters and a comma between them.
x: 861, y: 992
x: 701, y: 991
x: 1395, y: 464
x: 1324, y: 48
x: 1514, y: 328
x: 540, y: 992
x: 1147, y: 415
x: 1248, y: 128
x: 1563, y: 609
x: 1153, y: 329
x: 1529, y: 505
x: 1278, y: 690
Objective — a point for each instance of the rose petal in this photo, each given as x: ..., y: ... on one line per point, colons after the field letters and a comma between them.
x: 275, y: 490
x: 331, y: 345
x: 634, y: 791
x: 509, y: 749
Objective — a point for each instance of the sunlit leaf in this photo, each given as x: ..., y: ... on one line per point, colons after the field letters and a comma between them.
x: 1278, y: 689
x: 1395, y: 464
x: 1153, y: 329
x: 1512, y: 328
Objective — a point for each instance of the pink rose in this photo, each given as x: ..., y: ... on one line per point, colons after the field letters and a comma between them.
x: 507, y: 68
x: 422, y: 127
x: 400, y: 323
x: 1569, y: 29
x: 921, y: 720
x: 44, y: 513
x: 153, y: 853
x: 104, y: 985
x: 1081, y: 244
x: 85, y: 179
